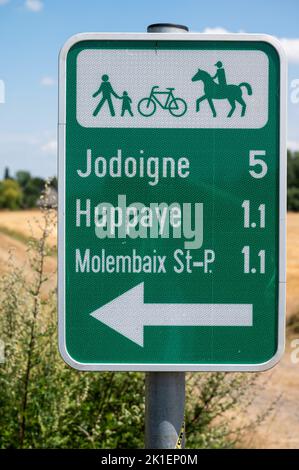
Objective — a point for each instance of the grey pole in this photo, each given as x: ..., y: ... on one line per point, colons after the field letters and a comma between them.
x: 165, y: 391
x: 164, y: 409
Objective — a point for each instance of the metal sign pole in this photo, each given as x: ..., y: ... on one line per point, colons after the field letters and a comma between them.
x: 165, y: 391
x: 164, y: 410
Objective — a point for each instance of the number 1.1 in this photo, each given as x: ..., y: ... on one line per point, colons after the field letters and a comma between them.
x: 262, y: 257
x: 262, y: 210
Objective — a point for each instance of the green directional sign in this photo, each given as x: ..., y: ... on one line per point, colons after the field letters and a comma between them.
x: 172, y: 202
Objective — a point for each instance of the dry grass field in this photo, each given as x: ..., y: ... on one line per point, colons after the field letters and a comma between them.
x: 281, y: 430
x: 25, y: 223
x: 16, y: 229
x: 293, y: 263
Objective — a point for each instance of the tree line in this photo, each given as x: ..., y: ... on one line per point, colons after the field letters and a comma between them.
x: 23, y: 190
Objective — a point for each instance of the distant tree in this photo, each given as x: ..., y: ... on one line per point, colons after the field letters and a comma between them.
x: 34, y: 190
x: 293, y: 181
x: 23, y: 178
x: 10, y: 194
x: 293, y: 199
x: 31, y: 187
x: 6, y: 173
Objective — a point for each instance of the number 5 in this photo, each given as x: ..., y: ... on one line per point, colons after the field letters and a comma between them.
x: 253, y: 161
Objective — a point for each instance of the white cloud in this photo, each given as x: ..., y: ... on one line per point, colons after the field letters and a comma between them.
x: 18, y: 138
x: 293, y: 145
x: 215, y: 30
x: 50, y: 147
x: 44, y: 141
x: 48, y: 81
x: 4, y: 2
x: 290, y: 45
x: 34, y: 5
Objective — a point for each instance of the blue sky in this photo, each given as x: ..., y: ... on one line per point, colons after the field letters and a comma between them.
x: 33, y: 31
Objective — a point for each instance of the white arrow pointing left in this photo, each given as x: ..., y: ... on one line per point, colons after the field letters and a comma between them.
x: 128, y: 314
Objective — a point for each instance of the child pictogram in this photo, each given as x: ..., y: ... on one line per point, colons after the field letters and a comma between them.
x: 126, y: 104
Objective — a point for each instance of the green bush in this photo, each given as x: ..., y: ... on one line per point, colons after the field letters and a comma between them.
x: 293, y: 181
x: 293, y: 199
x: 10, y: 194
x: 293, y: 323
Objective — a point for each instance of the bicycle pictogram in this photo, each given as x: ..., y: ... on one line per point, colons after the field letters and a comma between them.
x: 148, y: 106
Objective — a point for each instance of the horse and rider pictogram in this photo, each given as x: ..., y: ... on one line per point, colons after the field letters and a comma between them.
x: 221, y: 90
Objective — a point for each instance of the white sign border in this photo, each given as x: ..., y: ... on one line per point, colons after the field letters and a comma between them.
x: 282, y: 201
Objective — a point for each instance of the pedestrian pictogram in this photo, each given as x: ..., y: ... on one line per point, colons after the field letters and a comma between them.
x: 107, y: 93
